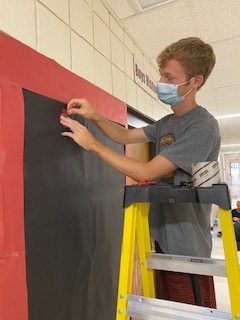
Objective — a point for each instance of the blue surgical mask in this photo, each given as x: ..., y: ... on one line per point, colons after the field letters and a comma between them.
x: 168, y: 93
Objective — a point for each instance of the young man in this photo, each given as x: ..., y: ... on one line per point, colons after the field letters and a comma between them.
x: 188, y: 135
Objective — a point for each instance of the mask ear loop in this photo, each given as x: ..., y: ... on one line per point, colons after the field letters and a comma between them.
x: 187, y: 93
x: 181, y: 84
x: 189, y: 90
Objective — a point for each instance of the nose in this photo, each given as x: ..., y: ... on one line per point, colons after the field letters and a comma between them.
x: 163, y: 79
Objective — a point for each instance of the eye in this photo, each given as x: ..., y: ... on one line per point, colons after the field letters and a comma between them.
x: 170, y: 79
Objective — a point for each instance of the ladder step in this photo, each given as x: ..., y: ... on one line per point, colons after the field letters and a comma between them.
x: 153, y: 309
x: 186, y: 264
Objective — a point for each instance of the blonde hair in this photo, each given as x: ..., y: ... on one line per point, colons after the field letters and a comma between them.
x: 196, y: 57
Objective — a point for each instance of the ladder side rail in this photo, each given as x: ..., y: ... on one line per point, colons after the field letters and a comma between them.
x: 144, y: 246
x: 126, y: 261
x: 231, y: 260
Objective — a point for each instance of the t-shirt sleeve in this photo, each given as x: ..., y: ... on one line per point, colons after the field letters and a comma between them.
x: 194, y: 146
x: 151, y: 132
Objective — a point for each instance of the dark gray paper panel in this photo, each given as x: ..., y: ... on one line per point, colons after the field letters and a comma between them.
x: 73, y: 220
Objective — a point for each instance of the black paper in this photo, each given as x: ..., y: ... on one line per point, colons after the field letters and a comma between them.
x: 73, y: 219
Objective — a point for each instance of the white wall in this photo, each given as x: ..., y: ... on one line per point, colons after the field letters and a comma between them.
x: 84, y: 37
x: 232, y: 178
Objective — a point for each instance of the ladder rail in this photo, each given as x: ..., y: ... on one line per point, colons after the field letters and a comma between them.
x: 231, y: 259
x: 144, y: 246
x: 126, y: 262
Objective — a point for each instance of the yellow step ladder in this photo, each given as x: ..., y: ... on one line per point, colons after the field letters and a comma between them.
x: 136, y: 226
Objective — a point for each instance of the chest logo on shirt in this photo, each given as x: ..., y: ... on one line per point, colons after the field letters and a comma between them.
x: 167, y: 139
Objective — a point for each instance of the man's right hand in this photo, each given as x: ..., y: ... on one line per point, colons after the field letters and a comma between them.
x: 83, y: 108
x: 112, y: 130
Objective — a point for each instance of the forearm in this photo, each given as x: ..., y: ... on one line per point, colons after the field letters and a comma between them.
x: 112, y: 130
x: 140, y: 171
x: 137, y: 170
x: 132, y: 168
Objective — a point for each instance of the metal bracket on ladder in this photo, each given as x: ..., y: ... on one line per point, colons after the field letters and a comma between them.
x: 153, y: 309
x: 185, y: 264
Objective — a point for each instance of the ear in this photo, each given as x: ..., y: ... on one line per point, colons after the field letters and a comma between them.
x: 198, y: 81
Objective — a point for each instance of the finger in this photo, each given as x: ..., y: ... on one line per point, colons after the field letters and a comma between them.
x: 75, y: 103
x: 68, y: 134
x: 67, y: 119
x: 70, y: 120
x: 74, y: 111
x: 70, y: 123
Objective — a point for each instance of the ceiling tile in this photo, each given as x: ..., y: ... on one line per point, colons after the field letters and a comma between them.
x: 231, y: 92
x: 234, y: 140
x: 222, y: 132
x: 227, y: 53
x: 211, y: 106
x: 231, y: 127
x: 216, y: 19
x: 208, y: 85
x: 226, y: 77
x: 122, y: 8
x: 168, y: 24
x: 214, y: 112
x: 205, y: 95
x: 208, y: 104
x: 228, y: 106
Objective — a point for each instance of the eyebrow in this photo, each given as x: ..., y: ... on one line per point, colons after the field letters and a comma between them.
x: 167, y: 74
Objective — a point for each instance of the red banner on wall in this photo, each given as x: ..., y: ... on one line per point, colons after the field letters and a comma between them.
x: 22, y: 67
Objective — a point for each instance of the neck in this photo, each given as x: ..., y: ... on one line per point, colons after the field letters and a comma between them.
x: 184, y: 107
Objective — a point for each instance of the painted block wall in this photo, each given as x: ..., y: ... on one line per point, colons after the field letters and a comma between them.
x: 86, y: 38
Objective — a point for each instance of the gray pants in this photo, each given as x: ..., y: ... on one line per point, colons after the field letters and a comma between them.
x: 237, y: 233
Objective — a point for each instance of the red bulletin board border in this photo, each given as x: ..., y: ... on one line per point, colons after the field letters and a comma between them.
x: 13, y: 290
x: 31, y: 70
x: 23, y: 67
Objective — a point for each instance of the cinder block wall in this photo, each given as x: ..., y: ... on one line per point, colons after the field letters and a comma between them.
x: 84, y: 37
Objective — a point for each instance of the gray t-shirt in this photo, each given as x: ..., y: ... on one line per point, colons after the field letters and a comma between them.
x: 194, y: 137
